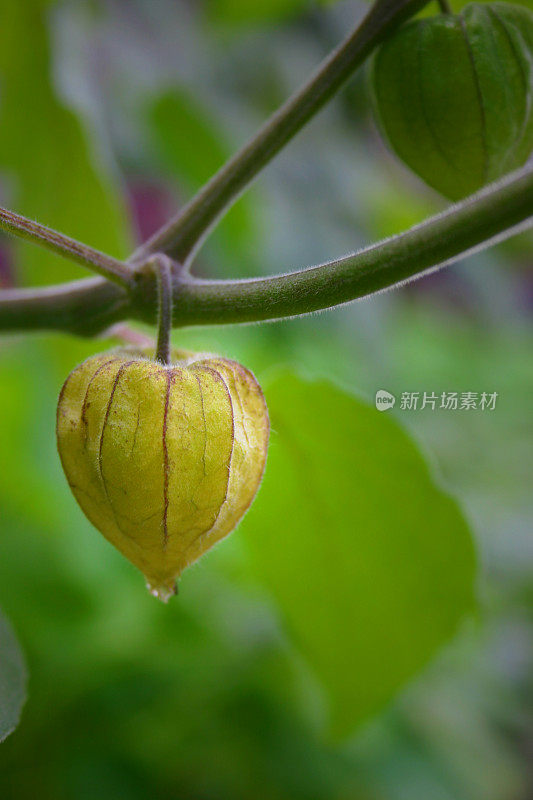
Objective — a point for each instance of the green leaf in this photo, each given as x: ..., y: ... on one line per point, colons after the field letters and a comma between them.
x: 242, y: 11
x: 371, y: 564
x: 457, y: 5
x: 12, y: 680
x: 54, y: 172
x: 191, y: 146
x: 188, y: 137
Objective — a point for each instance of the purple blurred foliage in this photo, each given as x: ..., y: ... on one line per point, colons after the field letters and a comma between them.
x: 445, y: 287
x: 151, y: 205
x: 7, y: 274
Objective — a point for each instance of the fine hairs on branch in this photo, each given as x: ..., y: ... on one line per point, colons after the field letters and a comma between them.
x: 129, y: 289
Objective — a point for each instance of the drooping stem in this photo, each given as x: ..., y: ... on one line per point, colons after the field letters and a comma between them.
x: 24, y: 228
x: 162, y: 266
x: 89, y: 307
x: 183, y: 234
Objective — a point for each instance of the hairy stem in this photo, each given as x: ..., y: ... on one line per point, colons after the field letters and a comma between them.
x: 162, y: 266
x: 182, y: 236
x: 491, y: 215
x: 105, y: 265
x: 88, y: 307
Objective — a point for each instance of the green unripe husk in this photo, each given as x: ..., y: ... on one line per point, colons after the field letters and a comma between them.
x: 453, y: 95
x: 163, y: 460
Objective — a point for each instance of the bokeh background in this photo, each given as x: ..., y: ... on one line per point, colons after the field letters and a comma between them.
x: 111, y: 113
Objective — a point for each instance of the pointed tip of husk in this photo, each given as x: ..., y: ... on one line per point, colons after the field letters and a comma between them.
x: 162, y: 592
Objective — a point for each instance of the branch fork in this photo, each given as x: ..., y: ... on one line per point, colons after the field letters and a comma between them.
x: 152, y: 285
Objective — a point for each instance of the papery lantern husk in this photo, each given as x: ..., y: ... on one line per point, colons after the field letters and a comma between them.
x: 163, y: 460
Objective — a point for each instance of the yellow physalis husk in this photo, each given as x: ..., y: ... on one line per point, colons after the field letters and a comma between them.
x: 163, y: 460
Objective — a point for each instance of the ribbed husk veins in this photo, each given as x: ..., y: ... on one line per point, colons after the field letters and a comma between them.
x: 453, y: 95
x: 163, y: 460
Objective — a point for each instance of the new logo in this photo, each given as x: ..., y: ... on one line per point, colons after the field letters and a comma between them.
x: 384, y: 400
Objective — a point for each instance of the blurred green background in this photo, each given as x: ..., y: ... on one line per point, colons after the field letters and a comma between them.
x: 111, y: 113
